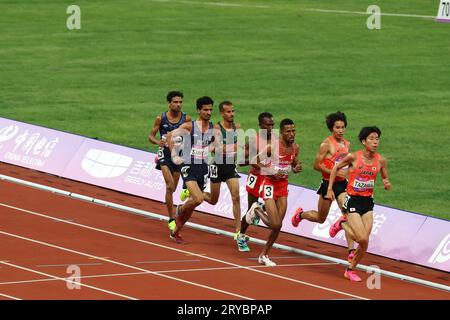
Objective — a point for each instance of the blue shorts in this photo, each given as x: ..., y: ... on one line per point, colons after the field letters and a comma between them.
x: 195, y: 172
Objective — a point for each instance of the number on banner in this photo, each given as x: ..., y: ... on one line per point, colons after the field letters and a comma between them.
x: 443, y: 11
x: 251, y: 181
x: 268, y: 192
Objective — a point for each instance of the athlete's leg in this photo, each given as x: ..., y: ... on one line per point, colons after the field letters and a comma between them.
x: 274, y: 222
x: 251, y: 199
x: 358, y: 230
x: 319, y: 216
x: 194, y: 200
x: 170, y: 188
x: 340, y: 201
x: 213, y: 196
x: 233, y: 186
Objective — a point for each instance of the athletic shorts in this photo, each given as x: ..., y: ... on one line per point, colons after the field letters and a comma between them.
x: 273, y: 189
x: 222, y: 172
x: 358, y: 204
x: 338, y: 188
x: 253, y: 184
x: 195, y: 172
x: 164, y: 158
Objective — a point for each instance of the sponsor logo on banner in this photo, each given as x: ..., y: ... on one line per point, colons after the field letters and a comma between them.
x: 321, y: 230
x: 105, y: 164
x: 442, y: 253
x: 30, y: 148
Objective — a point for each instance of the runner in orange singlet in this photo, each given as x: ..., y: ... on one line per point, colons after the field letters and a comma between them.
x: 282, y: 155
x: 332, y: 150
x: 364, y: 166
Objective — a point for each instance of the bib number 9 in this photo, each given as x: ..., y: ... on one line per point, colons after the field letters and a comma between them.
x: 251, y: 181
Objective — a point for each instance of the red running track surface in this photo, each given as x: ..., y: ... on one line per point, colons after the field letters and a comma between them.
x: 125, y: 256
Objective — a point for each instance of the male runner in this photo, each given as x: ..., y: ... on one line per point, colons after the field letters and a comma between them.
x: 165, y: 123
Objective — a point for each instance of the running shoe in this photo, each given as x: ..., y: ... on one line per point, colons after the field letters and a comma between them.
x: 336, y: 227
x: 172, y: 225
x: 175, y: 236
x: 251, y: 217
x: 266, y: 261
x: 236, y: 235
x: 351, y: 255
x: 184, y: 194
x: 296, y: 217
x: 242, y: 243
x: 351, y: 275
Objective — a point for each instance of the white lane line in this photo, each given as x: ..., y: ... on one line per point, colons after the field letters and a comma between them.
x: 183, y: 251
x: 166, y: 261
x: 123, y: 265
x: 68, y: 264
x: 67, y: 280
x: 167, y: 271
x: 9, y: 297
x: 227, y: 4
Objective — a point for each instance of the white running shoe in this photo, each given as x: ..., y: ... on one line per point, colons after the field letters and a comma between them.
x: 266, y: 261
x: 251, y: 217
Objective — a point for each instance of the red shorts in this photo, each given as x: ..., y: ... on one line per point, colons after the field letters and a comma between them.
x: 253, y: 184
x: 273, y: 189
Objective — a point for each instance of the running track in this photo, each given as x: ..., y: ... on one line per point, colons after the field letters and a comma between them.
x: 127, y: 256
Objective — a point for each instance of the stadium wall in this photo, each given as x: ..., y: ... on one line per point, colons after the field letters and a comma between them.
x: 396, y: 234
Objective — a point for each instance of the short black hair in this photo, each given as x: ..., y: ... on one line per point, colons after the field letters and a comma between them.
x: 285, y: 122
x: 224, y: 103
x: 364, y: 133
x: 173, y: 94
x: 264, y: 115
x: 204, y: 101
x: 333, y: 117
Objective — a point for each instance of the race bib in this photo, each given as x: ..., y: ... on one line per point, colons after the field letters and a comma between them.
x: 251, y: 181
x: 363, y: 185
x: 213, y: 171
x: 268, y: 192
x: 199, y: 152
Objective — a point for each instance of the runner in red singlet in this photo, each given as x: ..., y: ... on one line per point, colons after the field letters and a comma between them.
x: 364, y: 166
x: 254, y: 178
x: 332, y: 150
x: 282, y: 155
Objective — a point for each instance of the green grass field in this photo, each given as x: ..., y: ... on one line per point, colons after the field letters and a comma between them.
x: 109, y: 79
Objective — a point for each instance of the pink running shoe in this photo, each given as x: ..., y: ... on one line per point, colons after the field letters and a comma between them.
x: 176, y: 237
x: 336, y: 227
x: 296, y: 217
x: 351, y: 275
x: 351, y: 255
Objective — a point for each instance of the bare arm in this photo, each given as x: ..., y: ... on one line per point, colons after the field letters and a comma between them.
x: 296, y: 164
x: 347, y: 161
x: 384, y: 175
x: 152, y: 136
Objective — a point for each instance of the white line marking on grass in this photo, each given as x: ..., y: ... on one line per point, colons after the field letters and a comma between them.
x: 228, y: 4
x: 120, y: 264
x: 182, y: 251
x: 67, y: 280
x: 9, y: 297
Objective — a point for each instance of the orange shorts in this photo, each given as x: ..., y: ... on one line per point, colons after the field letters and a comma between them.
x: 253, y: 184
x: 274, y: 189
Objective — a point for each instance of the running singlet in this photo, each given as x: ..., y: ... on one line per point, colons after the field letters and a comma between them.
x: 200, y: 143
x: 261, y: 144
x: 166, y: 126
x: 229, y: 142
x: 284, y: 164
x: 339, y: 154
x: 362, y: 177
